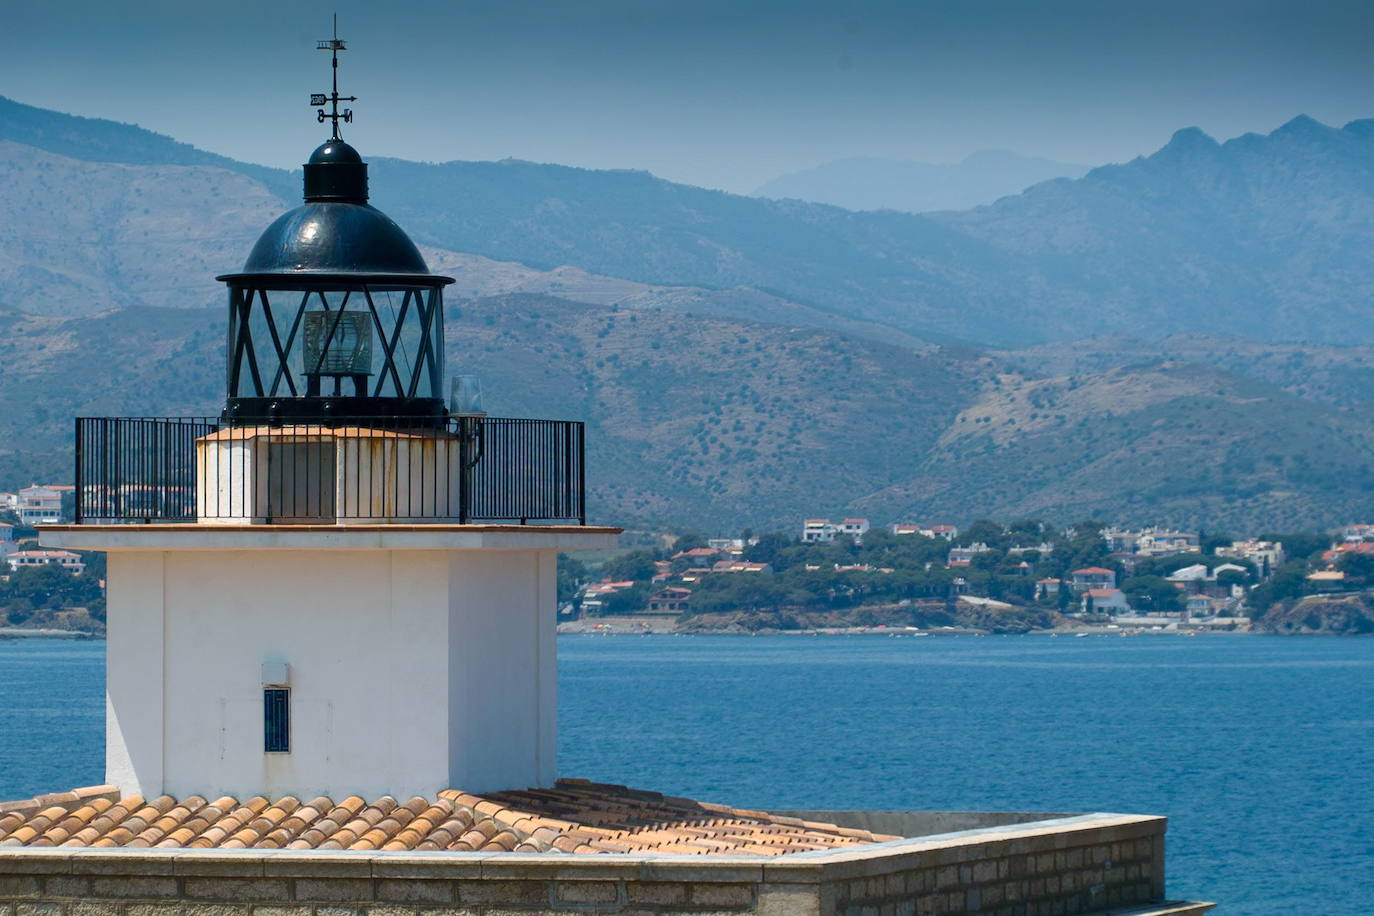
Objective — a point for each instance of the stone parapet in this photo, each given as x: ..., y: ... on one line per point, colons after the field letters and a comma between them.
x: 1073, y: 865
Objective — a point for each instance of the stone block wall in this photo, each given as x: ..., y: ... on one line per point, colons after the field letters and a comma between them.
x: 1077, y: 865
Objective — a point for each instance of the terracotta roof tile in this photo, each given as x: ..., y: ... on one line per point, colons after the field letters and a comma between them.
x: 574, y: 816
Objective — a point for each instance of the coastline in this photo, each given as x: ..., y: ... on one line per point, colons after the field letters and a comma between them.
x: 640, y: 626
x: 46, y: 632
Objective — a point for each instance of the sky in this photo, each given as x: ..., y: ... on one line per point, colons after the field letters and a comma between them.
x: 721, y: 93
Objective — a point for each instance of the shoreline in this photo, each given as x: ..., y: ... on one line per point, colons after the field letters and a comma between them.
x: 45, y: 633
x: 642, y: 627
x: 634, y: 628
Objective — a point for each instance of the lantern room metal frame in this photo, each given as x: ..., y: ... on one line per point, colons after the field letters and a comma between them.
x: 270, y: 377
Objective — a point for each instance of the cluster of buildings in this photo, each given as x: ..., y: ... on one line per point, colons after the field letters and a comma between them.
x: 1206, y: 590
x: 1352, y: 539
x: 720, y: 556
x: 1151, y: 542
x: 38, y: 504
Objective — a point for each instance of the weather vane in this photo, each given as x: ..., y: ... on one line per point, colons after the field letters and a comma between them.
x: 319, y: 99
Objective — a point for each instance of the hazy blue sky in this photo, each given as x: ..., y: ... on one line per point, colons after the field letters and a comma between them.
x: 724, y: 93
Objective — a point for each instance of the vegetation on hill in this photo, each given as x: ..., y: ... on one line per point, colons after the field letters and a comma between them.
x: 40, y: 596
x: 1341, y: 376
x: 30, y: 596
x: 735, y: 398
x: 1188, y: 443
x: 1320, y: 615
x: 708, y: 422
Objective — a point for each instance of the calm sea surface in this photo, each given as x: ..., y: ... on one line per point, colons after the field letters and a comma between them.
x: 1260, y: 750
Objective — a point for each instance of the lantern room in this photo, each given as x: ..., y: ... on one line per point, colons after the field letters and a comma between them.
x: 335, y: 313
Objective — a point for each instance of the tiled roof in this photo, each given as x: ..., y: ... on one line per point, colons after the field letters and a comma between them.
x: 575, y: 816
x: 735, y: 566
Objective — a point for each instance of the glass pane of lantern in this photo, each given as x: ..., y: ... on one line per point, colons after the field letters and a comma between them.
x: 337, y: 343
x: 374, y: 341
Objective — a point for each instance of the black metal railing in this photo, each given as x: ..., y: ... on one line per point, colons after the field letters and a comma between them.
x: 384, y: 470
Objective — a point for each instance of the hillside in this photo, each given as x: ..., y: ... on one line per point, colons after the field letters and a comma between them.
x: 82, y: 237
x: 1321, y: 615
x: 1342, y: 376
x: 700, y: 421
x: 1269, y: 237
x: 743, y: 361
x: 99, y: 140
x: 1261, y: 236
x: 88, y: 236
x: 1174, y: 442
x: 688, y: 422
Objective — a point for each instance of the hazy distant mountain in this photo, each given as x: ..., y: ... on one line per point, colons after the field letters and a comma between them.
x: 1269, y: 237
x: 892, y: 184
x: 99, y: 140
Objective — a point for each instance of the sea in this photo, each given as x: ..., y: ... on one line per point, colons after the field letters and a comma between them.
x: 1259, y: 749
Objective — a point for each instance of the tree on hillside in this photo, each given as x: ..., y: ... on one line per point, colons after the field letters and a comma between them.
x: 769, y: 549
x: 1300, y: 546
x: 983, y: 530
x: 1209, y: 542
x: 35, y: 588
x: 878, y: 540
x: 1288, y: 582
x: 1358, y: 569
x: 1228, y: 578
x: 571, y: 574
x: 1152, y: 594
x: 1086, y: 547
x: 689, y: 541
x: 625, y: 601
x: 637, y: 565
x: 1027, y: 530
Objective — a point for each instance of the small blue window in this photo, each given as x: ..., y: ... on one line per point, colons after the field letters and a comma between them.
x: 276, y: 709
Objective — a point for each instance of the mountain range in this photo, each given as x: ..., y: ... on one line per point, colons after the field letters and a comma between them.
x: 867, y: 183
x: 1152, y: 342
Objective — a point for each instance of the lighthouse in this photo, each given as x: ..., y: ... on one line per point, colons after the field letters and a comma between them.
x: 342, y: 584
x: 331, y: 676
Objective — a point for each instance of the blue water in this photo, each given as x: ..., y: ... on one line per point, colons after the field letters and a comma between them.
x: 1260, y: 750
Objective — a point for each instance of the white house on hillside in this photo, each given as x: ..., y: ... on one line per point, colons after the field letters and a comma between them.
x: 822, y: 530
x: 41, y: 505
x: 65, y: 559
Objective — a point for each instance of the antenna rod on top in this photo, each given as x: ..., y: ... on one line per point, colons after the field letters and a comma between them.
x: 319, y: 99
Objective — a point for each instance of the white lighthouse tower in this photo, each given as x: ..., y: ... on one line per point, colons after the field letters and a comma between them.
x: 339, y: 585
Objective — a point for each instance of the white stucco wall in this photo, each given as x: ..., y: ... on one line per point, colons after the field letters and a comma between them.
x: 411, y: 670
x: 133, y: 679
x: 503, y: 674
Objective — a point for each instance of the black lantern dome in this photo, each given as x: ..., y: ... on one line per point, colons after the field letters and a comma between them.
x: 335, y: 231
x: 335, y: 315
